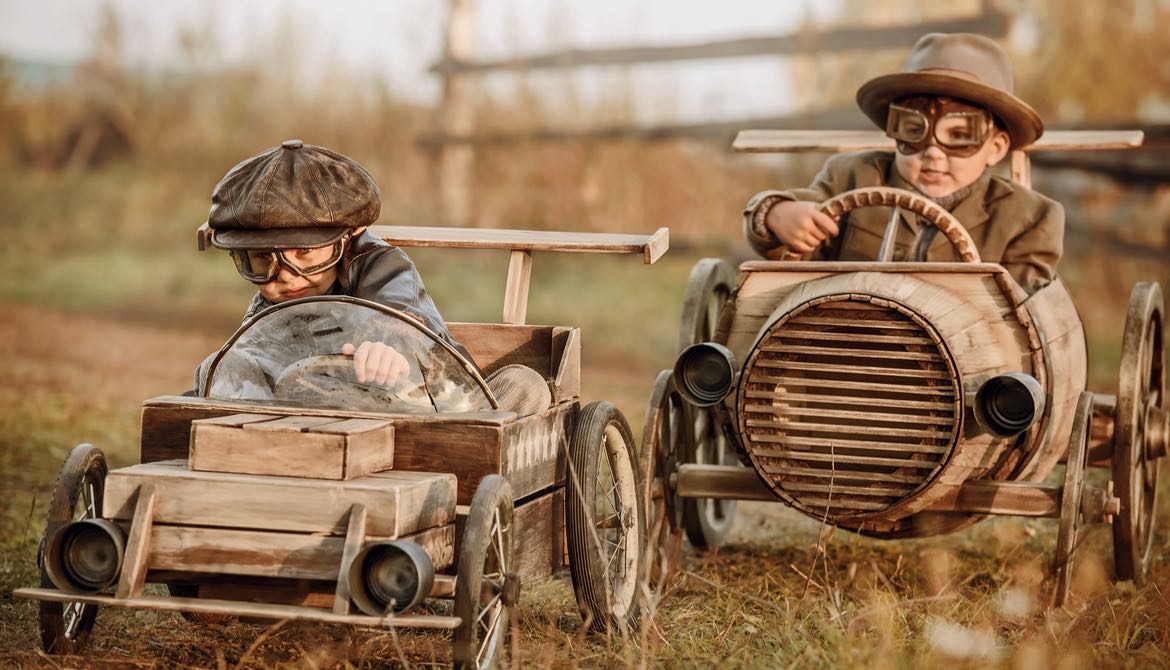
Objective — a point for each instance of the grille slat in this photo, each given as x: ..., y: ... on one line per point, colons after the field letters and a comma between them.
x: 849, y: 405
x: 868, y: 417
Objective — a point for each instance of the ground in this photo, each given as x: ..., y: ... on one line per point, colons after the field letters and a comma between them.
x: 783, y: 592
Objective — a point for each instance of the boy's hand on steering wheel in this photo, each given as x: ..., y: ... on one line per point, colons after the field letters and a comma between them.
x: 800, y: 225
x: 377, y: 362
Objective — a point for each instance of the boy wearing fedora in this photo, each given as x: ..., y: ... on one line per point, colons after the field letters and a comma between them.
x: 953, y: 116
x: 294, y: 219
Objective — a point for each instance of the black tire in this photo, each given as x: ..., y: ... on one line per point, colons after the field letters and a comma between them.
x: 709, y: 288
x: 605, y: 520
x: 486, y: 555
x: 65, y: 627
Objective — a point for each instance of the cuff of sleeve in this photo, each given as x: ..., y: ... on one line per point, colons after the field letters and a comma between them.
x: 754, y: 215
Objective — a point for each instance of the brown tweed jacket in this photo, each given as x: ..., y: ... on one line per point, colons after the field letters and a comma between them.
x: 1011, y: 224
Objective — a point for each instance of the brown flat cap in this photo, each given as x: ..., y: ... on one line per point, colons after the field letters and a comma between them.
x: 956, y: 65
x: 293, y: 195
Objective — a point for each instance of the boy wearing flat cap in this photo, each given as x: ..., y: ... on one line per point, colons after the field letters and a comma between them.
x: 294, y: 220
x: 952, y: 113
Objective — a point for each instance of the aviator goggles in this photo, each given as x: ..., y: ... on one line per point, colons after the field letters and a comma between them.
x: 957, y: 128
x: 261, y: 266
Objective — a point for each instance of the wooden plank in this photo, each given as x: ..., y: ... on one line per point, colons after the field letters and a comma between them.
x: 294, y: 446
x: 725, y: 482
x: 1005, y: 498
x: 397, y: 505
x: 166, y: 421
x: 244, y: 609
x: 790, y: 424
x: 539, y: 537
x: 990, y: 22
x: 516, y: 287
x: 266, y: 554
x: 534, y: 450
x: 494, y: 345
x: 844, y: 443
x: 844, y: 458
x: 845, y: 141
x: 1021, y: 168
x: 135, y: 562
x: 567, y: 367
x: 355, y: 536
x: 526, y: 240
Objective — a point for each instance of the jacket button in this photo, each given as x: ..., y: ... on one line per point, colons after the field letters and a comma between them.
x: 292, y: 144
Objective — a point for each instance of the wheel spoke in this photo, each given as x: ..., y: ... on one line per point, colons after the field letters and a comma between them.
x: 498, y: 527
x: 72, y: 616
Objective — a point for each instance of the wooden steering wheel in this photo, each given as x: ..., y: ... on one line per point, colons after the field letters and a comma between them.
x: 885, y: 196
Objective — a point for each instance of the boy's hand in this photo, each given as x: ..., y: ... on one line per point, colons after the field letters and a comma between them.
x: 377, y: 362
x: 799, y: 225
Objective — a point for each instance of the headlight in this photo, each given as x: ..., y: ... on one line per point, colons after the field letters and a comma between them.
x: 385, y: 574
x: 1009, y: 404
x: 704, y: 373
x: 85, y: 556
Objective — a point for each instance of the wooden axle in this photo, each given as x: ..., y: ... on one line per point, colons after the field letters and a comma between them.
x: 1008, y: 498
x: 1157, y: 432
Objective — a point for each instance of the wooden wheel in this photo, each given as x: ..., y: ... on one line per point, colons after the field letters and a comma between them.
x: 709, y: 288
x: 605, y: 519
x: 486, y: 588
x: 1072, y: 514
x: 665, y: 425
x: 78, y: 494
x: 1135, y: 473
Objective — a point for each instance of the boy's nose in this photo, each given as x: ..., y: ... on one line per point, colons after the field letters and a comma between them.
x: 933, y: 150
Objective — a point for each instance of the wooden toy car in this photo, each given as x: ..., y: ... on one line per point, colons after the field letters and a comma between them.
x: 291, y: 491
x: 904, y: 399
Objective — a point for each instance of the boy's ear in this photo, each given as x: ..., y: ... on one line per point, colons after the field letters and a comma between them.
x: 357, y: 231
x: 1000, y: 143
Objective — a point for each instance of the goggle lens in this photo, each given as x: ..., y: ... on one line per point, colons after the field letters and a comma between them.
x: 958, y: 133
x: 261, y: 266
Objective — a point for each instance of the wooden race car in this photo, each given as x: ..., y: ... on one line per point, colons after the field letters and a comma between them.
x: 901, y: 399
x: 291, y: 491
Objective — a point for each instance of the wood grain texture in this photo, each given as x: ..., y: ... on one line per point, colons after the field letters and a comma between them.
x: 494, y: 345
x: 650, y: 247
x: 294, y: 446
x: 398, y: 504
x: 516, y: 287
x: 539, y: 536
x: 138, y: 542
x: 844, y: 141
x: 535, y: 447
x: 267, y: 554
x: 355, y: 537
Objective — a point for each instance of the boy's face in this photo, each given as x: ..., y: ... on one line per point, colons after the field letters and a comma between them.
x: 289, y: 285
x: 937, y: 170
x: 295, y: 273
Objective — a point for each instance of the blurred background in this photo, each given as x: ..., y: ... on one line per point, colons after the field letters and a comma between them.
x: 117, y: 118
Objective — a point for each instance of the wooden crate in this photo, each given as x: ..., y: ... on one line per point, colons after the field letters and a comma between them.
x: 320, y: 447
x: 398, y: 503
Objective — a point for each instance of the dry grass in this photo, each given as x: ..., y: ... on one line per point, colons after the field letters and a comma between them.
x: 106, y: 304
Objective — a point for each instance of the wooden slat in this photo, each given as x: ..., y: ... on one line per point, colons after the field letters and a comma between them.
x: 266, y: 554
x: 135, y: 561
x: 1005, y: 498
x: 244, y: 609
x: 837, y: 473
x: 651, y: 247
x: 398, y: 504
x: 794, y: 423
x: 494, y: 345
x: 843, y: 443
x: 839, y: 384
x: 290, y: 424
x: 847, y: 400
x: 853, y: 323
x: 853, y: 369
x: 843, y: 458
x: 834, y: 488
x: 843, y: 503
x: 870, y: 417
x: 788, y: 332
x: 851, y: 352
x: 355, y: 536
x: 516, y: 287
x: 843, y: 141
x: 990, y: 22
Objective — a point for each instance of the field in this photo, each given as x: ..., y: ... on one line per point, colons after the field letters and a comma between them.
x: 105, y: 303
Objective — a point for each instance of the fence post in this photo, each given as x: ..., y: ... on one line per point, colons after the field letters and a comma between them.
x: 456, y: 162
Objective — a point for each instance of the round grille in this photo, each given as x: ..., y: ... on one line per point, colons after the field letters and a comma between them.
x: 848, y: 405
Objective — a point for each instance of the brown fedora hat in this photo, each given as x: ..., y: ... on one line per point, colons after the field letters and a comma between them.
x: 958, y: 65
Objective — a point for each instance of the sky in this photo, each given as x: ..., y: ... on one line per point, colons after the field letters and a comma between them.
x: 400, y: 39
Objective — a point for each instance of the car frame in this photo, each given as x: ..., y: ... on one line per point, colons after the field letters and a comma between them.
x: 904, y: 399
x: 249, y: 535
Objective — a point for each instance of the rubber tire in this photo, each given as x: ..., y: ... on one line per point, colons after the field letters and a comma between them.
x: 493, y: 495
x: 587, y: 566
x: 85, y: 464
